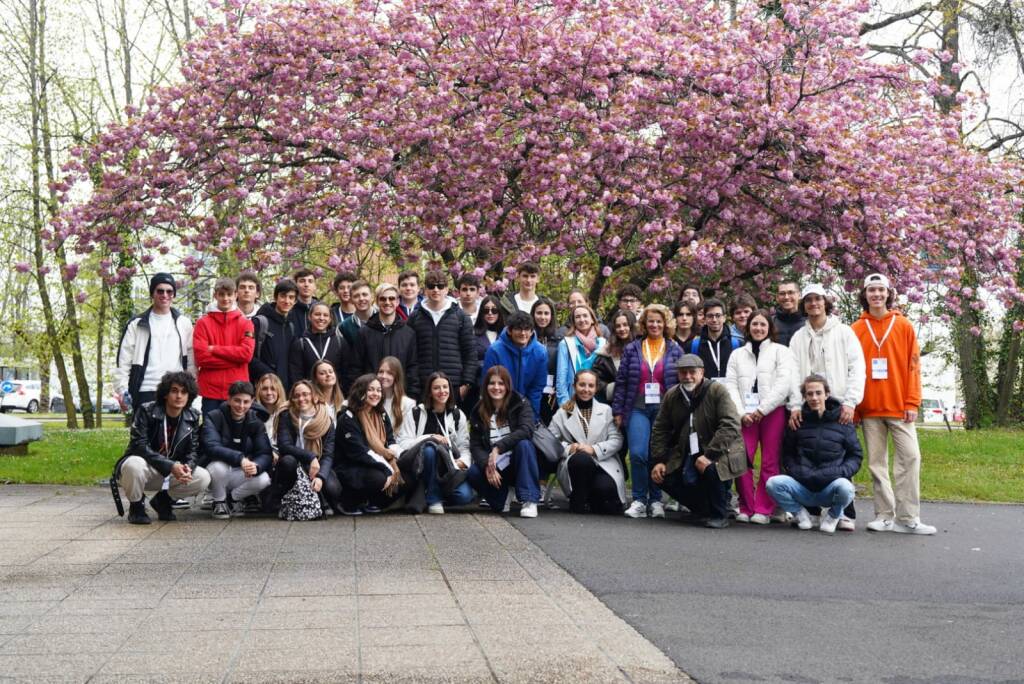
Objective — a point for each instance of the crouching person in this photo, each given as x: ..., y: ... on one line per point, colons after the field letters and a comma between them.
x: 821, y: 457
x: 163, y: 447
x: 237, y: 452
x: 697, y: 445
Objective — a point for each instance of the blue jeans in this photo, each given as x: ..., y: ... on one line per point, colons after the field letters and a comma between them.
x: 462, y: 495
x: 792, y: 496
x: 638, y: 437
x: 522, y: 470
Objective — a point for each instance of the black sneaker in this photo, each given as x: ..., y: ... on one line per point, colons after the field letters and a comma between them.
x: 163, y: 506
x: 181, y: 503
x: 353, y: 512
x: 137, y: 512
x: 717, y: 523
x: 221, y: 510
x: 252, y: 506
x: 371, y: 509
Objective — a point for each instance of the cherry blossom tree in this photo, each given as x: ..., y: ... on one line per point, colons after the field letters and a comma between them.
x: 634, y: 140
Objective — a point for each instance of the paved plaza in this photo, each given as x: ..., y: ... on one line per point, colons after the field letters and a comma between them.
x: 462, y: 597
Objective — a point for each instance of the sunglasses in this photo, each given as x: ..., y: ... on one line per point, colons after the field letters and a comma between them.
x: 434, y: 286
x: 387, y: 299
x: 164, y: 291
x: 490, y: 310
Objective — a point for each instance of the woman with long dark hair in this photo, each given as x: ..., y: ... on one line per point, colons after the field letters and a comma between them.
x: 546, y: 328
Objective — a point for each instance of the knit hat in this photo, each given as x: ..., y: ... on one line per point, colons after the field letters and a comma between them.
x: 162, y: 279
x: 877, y: 279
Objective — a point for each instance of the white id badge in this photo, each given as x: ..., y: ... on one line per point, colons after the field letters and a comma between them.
x: 694, y: 443
x: 503, y: 460
x: 751, y: 400
x: 880, y: 369
x: 652, y: 392
x: 550, y: 387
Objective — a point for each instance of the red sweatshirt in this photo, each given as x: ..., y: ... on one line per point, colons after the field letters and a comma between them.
x: 230, y: 334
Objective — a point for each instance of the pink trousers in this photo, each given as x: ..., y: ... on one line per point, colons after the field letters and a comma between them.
x: 768, y: 433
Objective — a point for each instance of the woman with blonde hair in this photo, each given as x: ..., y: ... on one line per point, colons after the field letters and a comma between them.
x: 305, y: 439
x: 325, y: 381
x: 578, y: 350
x: 392, y: 383
x: 647, y: 371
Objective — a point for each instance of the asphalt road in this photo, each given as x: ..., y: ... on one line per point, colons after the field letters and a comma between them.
x: 757, y: 604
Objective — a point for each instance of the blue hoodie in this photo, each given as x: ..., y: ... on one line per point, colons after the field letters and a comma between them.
x: 527, y: 365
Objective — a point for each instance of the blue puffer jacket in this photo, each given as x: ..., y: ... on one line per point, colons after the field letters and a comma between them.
x: 527, y: 365
x: 821, y: 450
x: 627, y: 382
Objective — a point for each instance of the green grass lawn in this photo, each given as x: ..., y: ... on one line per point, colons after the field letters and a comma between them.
x: 976, y: 465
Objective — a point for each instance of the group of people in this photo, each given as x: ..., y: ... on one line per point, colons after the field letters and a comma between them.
x: 405, y: 395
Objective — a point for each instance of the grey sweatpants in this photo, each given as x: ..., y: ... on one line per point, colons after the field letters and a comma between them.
x: 225, y: 478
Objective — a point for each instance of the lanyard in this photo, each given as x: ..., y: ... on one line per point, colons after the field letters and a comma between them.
x: 871, y: 331
x: 652, y: 361
x: 319, y: 354
x: 169, y: 439
x: 716, y: 354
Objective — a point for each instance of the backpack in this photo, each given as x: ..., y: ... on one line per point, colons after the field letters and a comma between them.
x: 695, y: 345
x: 262, y: 325
x: 301, y: 502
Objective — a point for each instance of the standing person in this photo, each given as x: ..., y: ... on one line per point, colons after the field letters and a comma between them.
x: 444, y: 337
x: 236, y: 452
x: 223, y: 344
x: 609, y: 358
x: 409, y: 289
x: 715, y: 343
x: 525, y: 359
x: 392, y: 384
x: 319, y: 343
x: 760, y: 377
x: 305, y: 280
x: 469, y: 295
x: 343, y: 309
x: 362, y: 301
x: 739, y: 311
x: 328, y: 390
x: 156, y: 342
x: 590, y: 472
x: 645, y: 376
x: 163, y: 447
x: 489, y: 324
x: 545, y: 327
x: 305, y: 439
x: 500, y: 433
x: 692, y: 296
x: 367, y: 457
x: 821, y: 457
x: 578, y: 350
x: 788, y: 316
x: 275, y: 333
x: 248, y: 290
x: 385, y: 334
x: 686, y: 324
x: 696, y: 444
x: 892, y: 396
x: 578, y: 298
x: 629, y: 298
x: 829, y: 348
x: 443, y: 429
x: 527, y: 277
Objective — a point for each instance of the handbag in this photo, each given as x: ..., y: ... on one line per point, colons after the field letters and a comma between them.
x: 301, y: 502
x: 546, y: 444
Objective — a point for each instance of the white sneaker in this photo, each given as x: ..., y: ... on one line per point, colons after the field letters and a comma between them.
x: 672, y: 505
x: 657, y: 510
x: 529, y: 510
x: 828, y: 523
x: 760, y: 519
x: 742, y: 517
x: 915, y: 526
x: 207, y: 504
x: 847, y: 524
x: 880, y: 525
x: 781, y: 516
x: 436, y: 508
x: 802, y: 519
x: 637, y: 509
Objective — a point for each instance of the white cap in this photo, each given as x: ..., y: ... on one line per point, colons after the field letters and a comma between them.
x: 813, y: 288
x: 877, y: 279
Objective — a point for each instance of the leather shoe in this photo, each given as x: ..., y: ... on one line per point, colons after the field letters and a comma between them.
x: 137, y: 512
x: 163, y: 505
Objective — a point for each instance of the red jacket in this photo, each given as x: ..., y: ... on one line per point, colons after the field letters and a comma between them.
x: 230, y: 334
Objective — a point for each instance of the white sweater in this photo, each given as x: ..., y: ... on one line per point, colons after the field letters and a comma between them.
x: 834, y: 351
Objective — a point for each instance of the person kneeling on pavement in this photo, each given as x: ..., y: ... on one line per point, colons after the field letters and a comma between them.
x: 237, y: 452
x: 697, y: 445
x: 163, y: 447
x: 821, y: 457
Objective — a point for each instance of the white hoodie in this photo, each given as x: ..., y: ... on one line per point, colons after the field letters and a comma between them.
x: 834, y: 352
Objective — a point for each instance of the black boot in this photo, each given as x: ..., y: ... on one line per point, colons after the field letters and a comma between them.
x: 137, y: 512
x: 163, y: 505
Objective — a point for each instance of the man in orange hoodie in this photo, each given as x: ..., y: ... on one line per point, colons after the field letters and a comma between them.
x: 223, y: 342
x: 892, y: 396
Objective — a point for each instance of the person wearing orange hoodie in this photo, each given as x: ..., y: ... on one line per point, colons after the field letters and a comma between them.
x: 892, y: 396
x: 223, y: 342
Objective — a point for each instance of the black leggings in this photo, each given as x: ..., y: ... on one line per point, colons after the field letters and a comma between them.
x: 285, y: 477
x: 371, y: 492
x: 593, y: 489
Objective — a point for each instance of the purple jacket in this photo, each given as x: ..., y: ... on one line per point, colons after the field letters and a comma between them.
x: 627, y: 383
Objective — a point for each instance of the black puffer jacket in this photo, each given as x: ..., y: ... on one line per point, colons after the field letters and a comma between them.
x: 821, y: 450
x: 449, y: 346
x: 786, y: 324
x: 352, y: 451
x: 273, y: 345
x: 377, y: 340
x: 147, y: 436
x: 218, y: 443
x: 520, y: 419
x: 332, y: 347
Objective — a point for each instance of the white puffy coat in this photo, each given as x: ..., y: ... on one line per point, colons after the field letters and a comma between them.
x: 774, y: 370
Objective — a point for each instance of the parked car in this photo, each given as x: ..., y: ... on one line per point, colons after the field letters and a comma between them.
x: 932, y: 411
x: 110, y: 405
x: 24, y: 396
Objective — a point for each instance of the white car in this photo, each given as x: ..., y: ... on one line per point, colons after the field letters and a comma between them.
x: 933, y: 411
x: 24, y: 396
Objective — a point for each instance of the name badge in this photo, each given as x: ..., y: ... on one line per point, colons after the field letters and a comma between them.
x: 880, y: 369
x: 503, y: 460
x: 550, y: 387
x: 652, y: 392
x: 694, y: 444
x: 751, y: 400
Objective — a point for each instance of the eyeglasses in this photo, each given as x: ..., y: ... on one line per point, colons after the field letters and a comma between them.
x: 714, y: 316
x: 629, y: 300
x: 434, y: 286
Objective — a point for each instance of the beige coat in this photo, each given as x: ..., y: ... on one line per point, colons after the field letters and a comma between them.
x: 603, y: 436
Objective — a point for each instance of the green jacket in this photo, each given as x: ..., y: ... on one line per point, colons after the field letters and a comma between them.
x: 716, y: 422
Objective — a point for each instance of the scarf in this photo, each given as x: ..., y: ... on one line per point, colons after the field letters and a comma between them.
x: 314, y: 430
x: 588, y: 341
x: 376, y: 435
